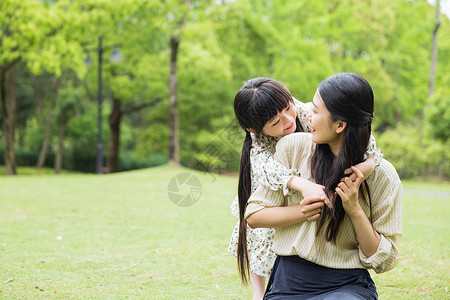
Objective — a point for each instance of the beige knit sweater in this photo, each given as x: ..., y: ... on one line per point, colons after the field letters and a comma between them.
x: 295, y: 151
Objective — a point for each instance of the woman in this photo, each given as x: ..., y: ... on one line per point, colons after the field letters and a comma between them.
x: 329, y: 257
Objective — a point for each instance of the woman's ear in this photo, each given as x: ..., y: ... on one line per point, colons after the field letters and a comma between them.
x: 341, y: 125
x: 251, y: 130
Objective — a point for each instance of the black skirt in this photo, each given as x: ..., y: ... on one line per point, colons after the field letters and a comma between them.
x: 296, y: 278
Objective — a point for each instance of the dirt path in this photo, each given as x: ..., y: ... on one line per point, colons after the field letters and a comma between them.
x: 445, y: 195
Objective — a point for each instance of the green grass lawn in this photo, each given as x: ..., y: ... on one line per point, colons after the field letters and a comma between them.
x: 119, y: 236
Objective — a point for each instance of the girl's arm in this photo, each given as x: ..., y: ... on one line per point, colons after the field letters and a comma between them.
x: 267, y: 208
x: 372, y: 158
x: 267, y: 171
x: 373, y: 150
x: 308, y: 188
x: 275, y: 176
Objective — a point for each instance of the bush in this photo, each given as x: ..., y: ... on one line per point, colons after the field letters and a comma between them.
x: 214, y: 152
x: 414, y: 153
x: 27, y: 157
x: 128, y: 161
x: 438, y: 115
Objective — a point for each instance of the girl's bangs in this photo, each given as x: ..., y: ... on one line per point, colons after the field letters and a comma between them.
x: 268, y: 103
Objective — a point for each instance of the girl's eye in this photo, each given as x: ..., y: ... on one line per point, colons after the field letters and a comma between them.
x: 288, y: 108
x: 276, y: 123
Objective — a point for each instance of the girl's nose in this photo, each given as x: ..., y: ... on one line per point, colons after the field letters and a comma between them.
x: 285, y: 117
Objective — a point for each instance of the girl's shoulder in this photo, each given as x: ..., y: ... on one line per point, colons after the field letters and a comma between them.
x: 264, y: 141
x: 302, y: 105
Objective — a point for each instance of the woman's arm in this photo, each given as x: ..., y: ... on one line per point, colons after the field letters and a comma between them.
x: 385, y: 230
x: 368, y: 238
x: 274, y: 217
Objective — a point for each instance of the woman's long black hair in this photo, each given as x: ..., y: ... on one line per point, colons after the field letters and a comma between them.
x: 257, y: 102
x: 348, y: 97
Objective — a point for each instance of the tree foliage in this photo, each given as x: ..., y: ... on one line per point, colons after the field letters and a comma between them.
x: 224, y: 43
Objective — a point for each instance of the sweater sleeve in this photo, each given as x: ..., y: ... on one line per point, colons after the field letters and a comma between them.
x: 387, y: 214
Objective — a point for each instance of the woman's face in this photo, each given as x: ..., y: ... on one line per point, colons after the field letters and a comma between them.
x: 283, y: 123
x: 323, y: 129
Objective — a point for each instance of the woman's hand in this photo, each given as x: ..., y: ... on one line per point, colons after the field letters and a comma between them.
x: 348, y: 190
x: 367, y: 236
x: 311, y: 207
x: 308, y: 188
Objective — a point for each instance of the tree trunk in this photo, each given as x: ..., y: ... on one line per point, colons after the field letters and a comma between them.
x: 173, y: 105
x: 434, y: 52
x: 115, y: 120
x: 48, y: 127
x: 62, y: 122
x: 114, y: 139
x: 174, y: 142
x: 8, y: 100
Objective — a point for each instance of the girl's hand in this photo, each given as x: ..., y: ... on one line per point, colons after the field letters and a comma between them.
x: 308, y: 188
x: 348, y: 190
x: 366, y: 167
x: 311, y: 207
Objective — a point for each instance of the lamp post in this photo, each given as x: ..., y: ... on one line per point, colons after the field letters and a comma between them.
x: 100, y: 105
x: 115, y: 58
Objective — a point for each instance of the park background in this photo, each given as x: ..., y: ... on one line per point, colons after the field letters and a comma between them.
x: 170, y: 71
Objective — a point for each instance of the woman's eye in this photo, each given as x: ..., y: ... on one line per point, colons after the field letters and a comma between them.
x: 288, y: 108
x: 275, y: 124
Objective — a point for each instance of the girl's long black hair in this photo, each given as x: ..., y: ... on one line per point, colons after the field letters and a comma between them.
x: 257, y: 102
x: 348, y: 97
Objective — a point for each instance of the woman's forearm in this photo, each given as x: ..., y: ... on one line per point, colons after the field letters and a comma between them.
x: 273, y: 217
x: 368, y: 238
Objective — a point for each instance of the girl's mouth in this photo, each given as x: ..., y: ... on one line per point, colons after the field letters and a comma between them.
x: 290, y: 127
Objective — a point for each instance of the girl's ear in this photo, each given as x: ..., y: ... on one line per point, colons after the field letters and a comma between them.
x: 341, y: 125
x: 251, y: 130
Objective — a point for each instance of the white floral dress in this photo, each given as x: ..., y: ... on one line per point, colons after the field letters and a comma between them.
x: 272, y: 174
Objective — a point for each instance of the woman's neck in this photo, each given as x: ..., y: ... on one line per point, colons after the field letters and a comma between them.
x: 336, y: 145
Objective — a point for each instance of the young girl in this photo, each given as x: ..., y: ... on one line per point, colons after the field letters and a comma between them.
x: 266, y: 111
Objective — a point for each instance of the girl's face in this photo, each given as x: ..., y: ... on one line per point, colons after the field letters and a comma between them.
x: 283, y: 123
x: 323, y: 129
